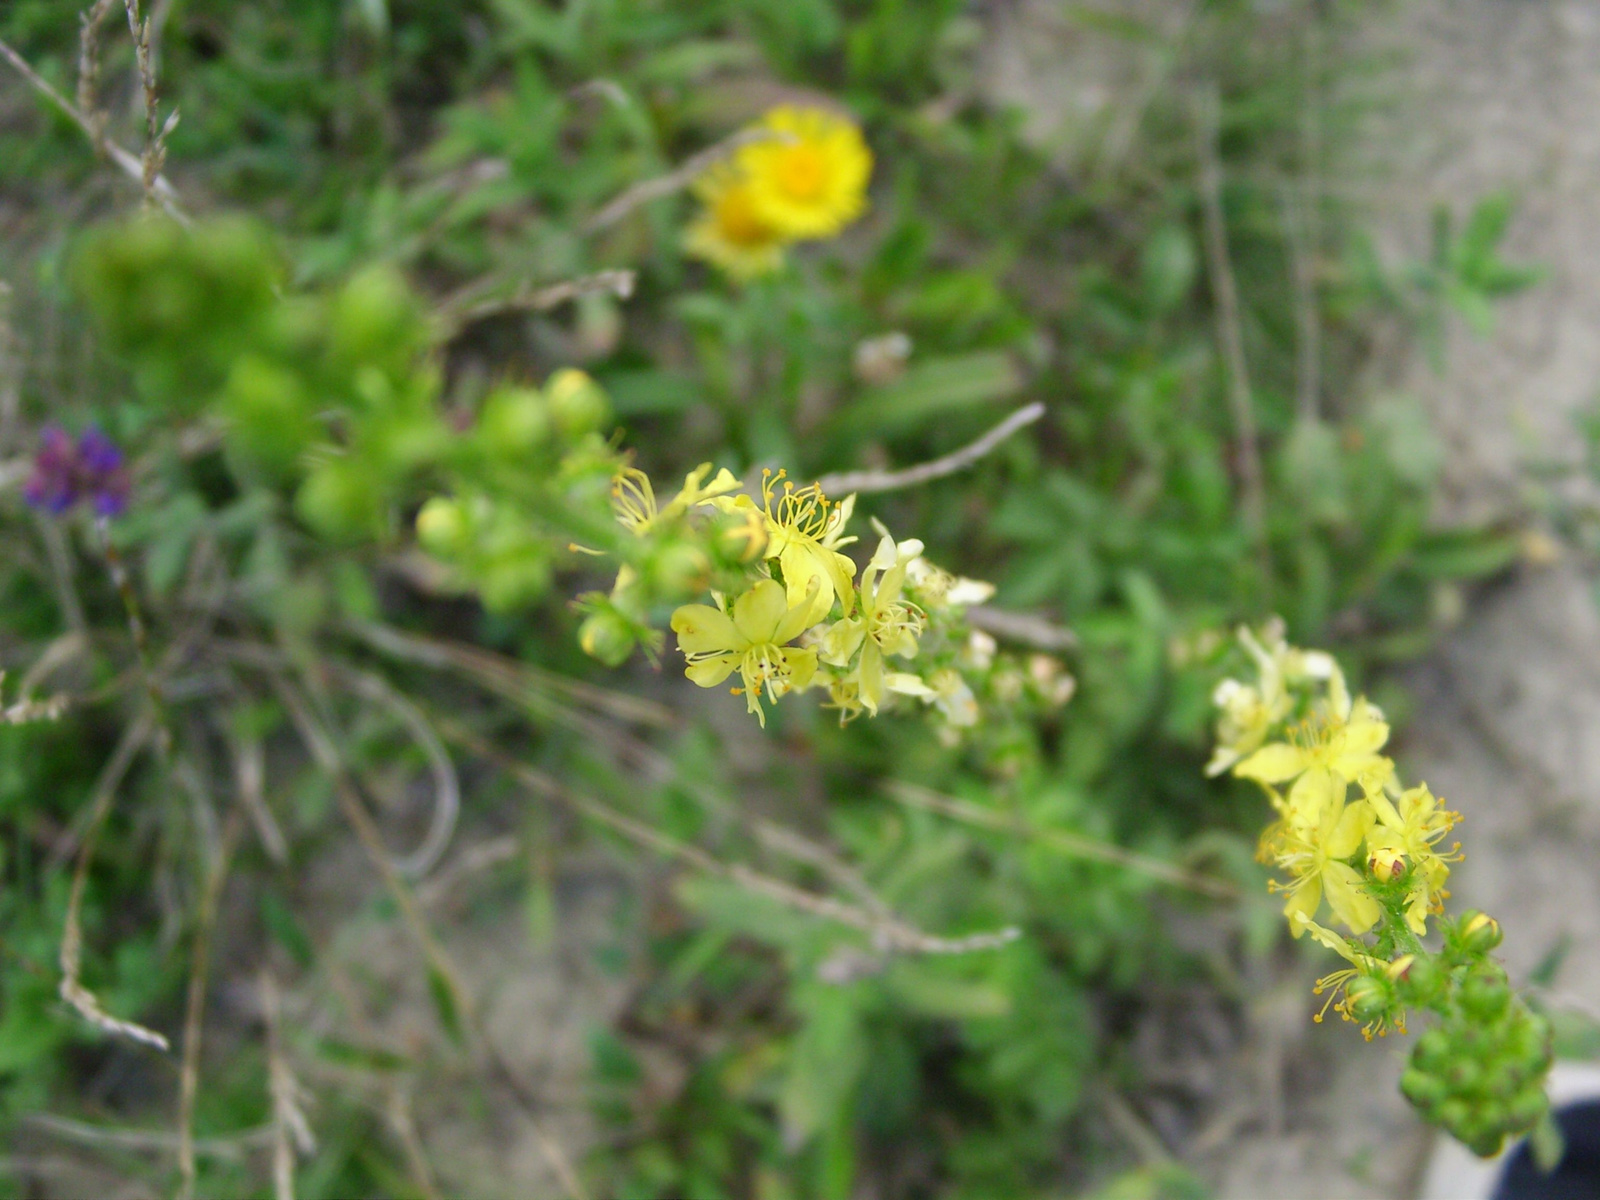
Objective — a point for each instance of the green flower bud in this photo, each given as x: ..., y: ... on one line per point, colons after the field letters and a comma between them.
x: 1369, y: 997
x: 1433, y: 1050
x: 338, y: 500
x: 1526, y: 1108
x: 443, y: 526
x: 607, y: 636
x: 1478, y: 932
x: 373, y: 321
x: 1485, y: 994
x: 1422, y: 1089
x: 577, y: 403
x: 1421, y: 980
x: 514, y: 422
x: 678, y: 570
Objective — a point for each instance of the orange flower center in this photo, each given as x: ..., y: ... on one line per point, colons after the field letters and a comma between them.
x: 737, y: 220
x: 802, y: 173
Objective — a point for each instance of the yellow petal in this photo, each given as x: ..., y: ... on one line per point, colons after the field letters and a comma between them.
x: 702, y: 629
x: 1348, y: 830
x: 709, y: 672
x: 1274, y: 763
x: 800, y: 617
x: 1314, y: 795
x: 870, y: 673
x: 756, y: 613
x: 1304, y: 900
x: 802, y: 663
x: 1349, y: 902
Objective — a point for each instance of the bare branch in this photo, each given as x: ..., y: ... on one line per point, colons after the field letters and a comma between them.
x: 1072, y: 844
x: 232, y: 1147
x: 125, y: 162
x: 844, y: 482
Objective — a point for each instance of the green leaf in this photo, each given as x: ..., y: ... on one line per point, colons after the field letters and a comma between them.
x: 282, y: 924
x: 443, y: 994
x: 1547, y: 1143
x: 933, y: 388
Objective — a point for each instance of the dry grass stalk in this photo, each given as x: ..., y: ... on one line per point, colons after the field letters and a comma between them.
x: 134, y: 738
x: 675, y: 180
x: 189, y: 1073
x: 888, y: 933
x: 89, y: 27
x: 1225, y: 294
x: 290, y: 1129
x: 132, y: 166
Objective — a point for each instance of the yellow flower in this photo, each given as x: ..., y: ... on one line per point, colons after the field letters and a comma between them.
x: 1325, y: 756
x: 633, y: 499
x: 1250, y: 711
x: 1315, y: 857
x: 809, y: 179
x: 752, y: 641
x: 882, y: 626
x: 804, y: 532
x: 1412, y: 829
x: 731, y: 234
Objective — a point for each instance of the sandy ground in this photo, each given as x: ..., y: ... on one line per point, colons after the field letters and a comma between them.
x: 1478, y: 96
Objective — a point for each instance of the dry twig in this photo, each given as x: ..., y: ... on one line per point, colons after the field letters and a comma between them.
x: 887, y: 481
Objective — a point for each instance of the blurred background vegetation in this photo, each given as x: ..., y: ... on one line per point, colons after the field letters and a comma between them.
x: 1201, y: 319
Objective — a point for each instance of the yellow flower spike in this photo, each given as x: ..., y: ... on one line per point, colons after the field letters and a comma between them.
x: 752, y: 640
x: 809, y: 179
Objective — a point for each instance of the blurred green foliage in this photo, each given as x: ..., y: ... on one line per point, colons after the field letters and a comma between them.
x: 293, y: 397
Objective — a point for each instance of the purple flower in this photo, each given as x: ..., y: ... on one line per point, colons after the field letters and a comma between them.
x: 65, y: 472
x: 53, y: 484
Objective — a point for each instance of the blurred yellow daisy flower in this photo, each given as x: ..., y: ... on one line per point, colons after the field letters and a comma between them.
x: 732, y: 234
x: 809, y: 180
